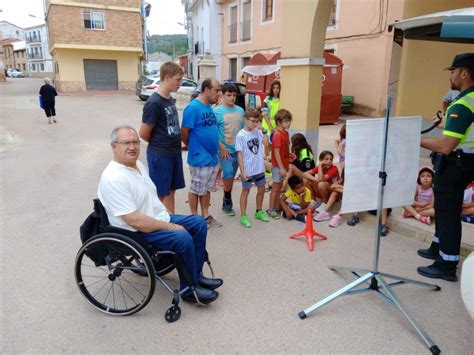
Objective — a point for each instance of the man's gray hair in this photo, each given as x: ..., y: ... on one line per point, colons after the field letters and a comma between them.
x: 113, y: 135
x: 47, y: 80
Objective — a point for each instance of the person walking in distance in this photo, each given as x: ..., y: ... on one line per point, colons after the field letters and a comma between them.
x: 453, y: 162
x: 200, y: 134
x: 48, y: 95
x: 160, y: 128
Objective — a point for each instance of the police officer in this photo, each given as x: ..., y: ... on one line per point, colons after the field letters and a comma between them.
x: 453, y: 160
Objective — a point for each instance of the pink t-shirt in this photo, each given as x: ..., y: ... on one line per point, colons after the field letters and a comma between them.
x: 424, y: 196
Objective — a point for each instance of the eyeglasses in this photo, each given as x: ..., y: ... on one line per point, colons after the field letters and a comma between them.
x: 129, y: 143
x: 253, y: 121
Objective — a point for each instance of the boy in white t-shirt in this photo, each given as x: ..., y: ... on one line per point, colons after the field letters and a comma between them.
x: 249, y: 146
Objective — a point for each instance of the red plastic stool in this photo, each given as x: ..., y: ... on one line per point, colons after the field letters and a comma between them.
x: 308, y: 232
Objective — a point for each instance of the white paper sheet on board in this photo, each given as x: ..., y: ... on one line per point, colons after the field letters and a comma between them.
x: 364, y: 139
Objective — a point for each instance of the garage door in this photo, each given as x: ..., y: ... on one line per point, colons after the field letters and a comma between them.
x: 101, y: 74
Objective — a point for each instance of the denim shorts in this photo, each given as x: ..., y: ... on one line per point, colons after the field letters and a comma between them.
x: 276, y: 176
x: 258, y: 180
x: 229, y: 166
x: 165, y: 172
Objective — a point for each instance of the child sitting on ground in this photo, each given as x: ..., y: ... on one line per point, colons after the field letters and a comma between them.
x: 296, y: 201
x: 423, y: 207
x: 467, y: 213
x: 323, y: 176
x: 280, y: 159
x: 249, y: 144
x: 301, y: 158
x: 336, y: 195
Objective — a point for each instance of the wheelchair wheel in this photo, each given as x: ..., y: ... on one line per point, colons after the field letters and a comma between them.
x: 119, y: 282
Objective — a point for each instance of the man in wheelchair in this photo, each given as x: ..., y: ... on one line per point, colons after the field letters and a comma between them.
x: 131, y: 202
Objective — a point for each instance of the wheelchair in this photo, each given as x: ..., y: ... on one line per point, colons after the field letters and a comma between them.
x: 116, y: 270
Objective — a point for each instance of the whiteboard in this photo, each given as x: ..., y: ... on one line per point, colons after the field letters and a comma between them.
x: 364, y: 140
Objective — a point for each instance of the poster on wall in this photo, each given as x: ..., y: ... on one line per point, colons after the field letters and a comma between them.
x: 364, y: 143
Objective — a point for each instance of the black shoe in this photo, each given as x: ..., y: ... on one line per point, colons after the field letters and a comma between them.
x: 383, y: 230
x: 204, y: 295
x: 431, y: 253
x: 300, y: 218
x: 210, y: 284
x: 227, y: 207
x: 439, y: 270
x: 353, y: 221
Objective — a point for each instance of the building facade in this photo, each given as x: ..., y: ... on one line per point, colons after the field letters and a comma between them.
x: 14, y: 54
x: 95, y: 44
x: 40, y: 62
x: 204, y: 24
x: 9, y: 30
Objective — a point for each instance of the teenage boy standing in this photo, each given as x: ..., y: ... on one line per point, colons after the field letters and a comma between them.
x: 230, y: 120
x: 160, y: 127
x: 199, y: 132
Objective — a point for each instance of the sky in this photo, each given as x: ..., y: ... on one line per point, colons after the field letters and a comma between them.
x: 163, y: 17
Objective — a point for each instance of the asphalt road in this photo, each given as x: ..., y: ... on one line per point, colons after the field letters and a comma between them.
x: 49, y: 176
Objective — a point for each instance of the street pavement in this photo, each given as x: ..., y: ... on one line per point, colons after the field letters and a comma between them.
x: 49, y: 176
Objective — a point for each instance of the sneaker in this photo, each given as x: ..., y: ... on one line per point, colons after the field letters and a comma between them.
x: 244, y: 220
x: 407, y: 214
x: 425, y: 219
x: 261, y: 215
x: 335, y: 221
x: 212, y: 223
x: 227, y: 207
x: 300, y: 218
x: 383, y: 230
x: 273, y: 213
x: 353, y: 221
x: 321, y: 207
x: 322, y: 216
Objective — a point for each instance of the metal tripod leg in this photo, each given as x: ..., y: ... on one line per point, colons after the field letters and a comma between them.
x: 350, y: 269
x: 335, y: 295
x: 421, y: 332
x: 415, y: 282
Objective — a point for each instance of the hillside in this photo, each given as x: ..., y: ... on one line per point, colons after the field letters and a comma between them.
x: 164, y: 43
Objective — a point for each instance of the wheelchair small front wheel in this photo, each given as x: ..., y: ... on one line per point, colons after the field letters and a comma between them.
x: 121, y: 278
x: 172, y: 313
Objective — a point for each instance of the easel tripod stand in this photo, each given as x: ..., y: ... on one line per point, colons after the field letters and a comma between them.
x: 374, y: 278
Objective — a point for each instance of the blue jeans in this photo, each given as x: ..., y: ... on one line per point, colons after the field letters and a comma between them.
x: 190, y: 243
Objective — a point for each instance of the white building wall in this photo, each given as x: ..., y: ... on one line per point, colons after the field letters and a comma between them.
x: 206, y: 28
x: 38, y: 66
x: 9, y: 30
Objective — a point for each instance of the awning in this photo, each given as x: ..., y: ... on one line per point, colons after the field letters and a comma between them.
x: 261, y: 70
x: 451, y: 26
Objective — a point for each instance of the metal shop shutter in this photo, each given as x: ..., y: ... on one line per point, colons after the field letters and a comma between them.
x: 101, y: 74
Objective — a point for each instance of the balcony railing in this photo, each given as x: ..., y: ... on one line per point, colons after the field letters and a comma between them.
x: 232, y: 33
x: 33, y: 39
x: 35, y: 56
x: 245, y: 30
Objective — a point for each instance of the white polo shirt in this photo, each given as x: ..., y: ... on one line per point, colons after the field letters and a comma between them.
x: 123, y: 190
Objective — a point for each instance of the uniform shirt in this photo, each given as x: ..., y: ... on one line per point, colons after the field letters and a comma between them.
x: 293, y: 197
x: 230, y: 120
x: 332, y: 171
x: 203, y: 134
x: 251, y: 146
x: 166, y: 135
x: 123, y: 190
x: 281, y: 139
x: 459, y: 119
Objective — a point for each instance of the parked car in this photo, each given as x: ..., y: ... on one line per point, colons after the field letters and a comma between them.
x: 149, y: 85
x: 15, y: 73
x: 240, y: 101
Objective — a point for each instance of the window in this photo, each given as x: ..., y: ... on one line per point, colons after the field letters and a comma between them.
x: 268, y: 10
x: 233, y: 25
x: 332, y: 15
x: 245, y: 61
x: 246, y: 20
x: 94, y: 20
x: 34, y: 67
x: 42, y: 66
x: 233, y: 68
x: 24, y: 66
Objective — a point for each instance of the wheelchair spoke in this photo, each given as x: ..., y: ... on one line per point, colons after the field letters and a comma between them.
x: 94, y: 267
x: 123, y: 295
x: 108, y: 293
x: 131, y: 284
x: 125, y: 292
x: 100, y: 289
x: 93, y: 283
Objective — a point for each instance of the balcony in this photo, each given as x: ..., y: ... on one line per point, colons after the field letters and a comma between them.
x: 35, y: 56
x: 245, y: 30
x: 33, y: 39
x: 232, y: 33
